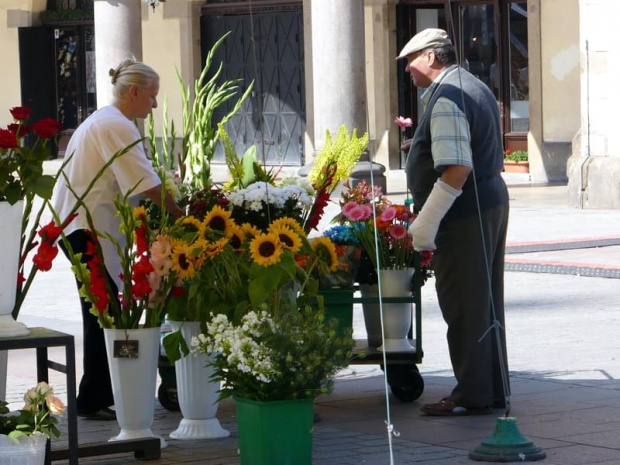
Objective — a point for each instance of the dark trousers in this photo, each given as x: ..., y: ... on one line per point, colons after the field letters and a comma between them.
x: 464, y: 297
x: 95, y: 390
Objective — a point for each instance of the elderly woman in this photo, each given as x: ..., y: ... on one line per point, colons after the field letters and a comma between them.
x: 92, y: 145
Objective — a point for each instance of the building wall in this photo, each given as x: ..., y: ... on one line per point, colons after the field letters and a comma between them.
x: 171, y: 43
x: 13, y: 14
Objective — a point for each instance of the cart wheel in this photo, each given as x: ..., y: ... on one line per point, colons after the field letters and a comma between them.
x: 406, y: 382
x: 168, y: 398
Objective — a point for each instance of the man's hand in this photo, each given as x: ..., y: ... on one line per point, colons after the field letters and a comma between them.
x: 424, y: 228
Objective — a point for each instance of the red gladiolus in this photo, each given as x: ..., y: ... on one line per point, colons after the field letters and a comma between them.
x: 20, y: 280
x: 317, y: 210
x: 44, y: 256
x: 21, y: 113
x: 46, y: 128
x: 142, y: 244
x: 8, y: 140
x: 50, y: 232
x: 97, y: 285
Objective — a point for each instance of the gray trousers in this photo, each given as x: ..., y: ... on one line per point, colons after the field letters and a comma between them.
x: 464, y: 297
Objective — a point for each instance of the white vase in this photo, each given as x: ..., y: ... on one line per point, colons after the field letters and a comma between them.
x: 397, y: 317
x: 10, y: 233
x: 134, y: 381
x: 196, y: 392
x: 25, y: 450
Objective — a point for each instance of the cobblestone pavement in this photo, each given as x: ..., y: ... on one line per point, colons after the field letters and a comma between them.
x: 562, y: 347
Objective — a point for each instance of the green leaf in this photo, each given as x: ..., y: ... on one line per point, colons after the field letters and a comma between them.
x: 43, y: 186
x: 248, y: 160
x: 257, y: 292
x: 175, y: 346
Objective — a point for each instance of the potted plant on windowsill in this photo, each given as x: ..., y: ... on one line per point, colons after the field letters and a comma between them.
x: 516, y: 161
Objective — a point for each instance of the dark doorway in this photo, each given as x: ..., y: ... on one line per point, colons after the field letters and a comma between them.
x: 267, y: 48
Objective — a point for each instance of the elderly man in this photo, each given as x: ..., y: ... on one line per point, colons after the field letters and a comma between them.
x: 453, y: 172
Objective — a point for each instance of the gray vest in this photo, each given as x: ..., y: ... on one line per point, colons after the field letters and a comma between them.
x: 480, y: 107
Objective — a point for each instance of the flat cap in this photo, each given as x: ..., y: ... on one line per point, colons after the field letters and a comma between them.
x: 427, y: 38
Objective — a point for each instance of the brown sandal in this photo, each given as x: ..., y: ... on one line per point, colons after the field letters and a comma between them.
x: 447, y: 408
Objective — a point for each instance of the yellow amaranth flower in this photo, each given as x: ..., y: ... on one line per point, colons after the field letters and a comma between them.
x: 183, y: 264
x: 265, y: 249
x: 291, y: 223
x: 326, y: 251
x: 288, y: 238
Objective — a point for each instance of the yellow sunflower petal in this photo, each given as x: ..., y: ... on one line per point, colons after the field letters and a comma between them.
x: 288, y: 238
x: 291, y: 223
x: 183, y: 264
x: 265, y: 249
x: 326, y: 251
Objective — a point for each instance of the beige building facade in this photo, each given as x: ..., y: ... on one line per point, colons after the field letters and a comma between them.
x: 560, y: 70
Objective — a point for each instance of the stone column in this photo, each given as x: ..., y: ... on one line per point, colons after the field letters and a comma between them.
x: 594, y: 168
x: 118, y: 35
x: 338, y: 74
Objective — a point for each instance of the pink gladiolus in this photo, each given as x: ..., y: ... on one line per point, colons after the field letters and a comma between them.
x: 398, y: 231
x: 403, y: 123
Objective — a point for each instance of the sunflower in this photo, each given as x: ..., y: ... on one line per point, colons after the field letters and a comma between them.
x: 198, y: 251
x: 325, y: 250
x: 288, y: 238
x: 236, y: 237
x: 266, y: 249
x: 183, y: 263
x: 140, y: 214
x: 291, y: 223
x: 191, y: 224
x: 216, y: 248
x: 218, y: 219
x: 250, y: 230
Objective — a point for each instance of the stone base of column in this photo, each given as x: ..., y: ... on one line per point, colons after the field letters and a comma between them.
x: 593, y: 182
x: 371, y: 172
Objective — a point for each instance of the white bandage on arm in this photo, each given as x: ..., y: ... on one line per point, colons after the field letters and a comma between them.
x: 424, y: 228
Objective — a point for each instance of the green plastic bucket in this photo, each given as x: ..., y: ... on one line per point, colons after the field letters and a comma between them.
x: 275, y: 432
x: 339, y: 305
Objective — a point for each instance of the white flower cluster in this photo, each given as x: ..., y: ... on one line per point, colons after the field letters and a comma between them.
x: 257, y: 195
x: 240, y: 345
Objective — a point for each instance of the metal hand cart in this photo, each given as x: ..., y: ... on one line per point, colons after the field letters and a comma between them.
x: 403, y: 376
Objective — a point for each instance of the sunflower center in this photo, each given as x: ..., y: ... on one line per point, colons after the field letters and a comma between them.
x: 286, y: 240
x: 235, y: 242
x: 183, y: 262
x: 218, y: 223
x: 266, y: 249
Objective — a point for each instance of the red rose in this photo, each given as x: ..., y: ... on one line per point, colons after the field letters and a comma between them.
x: 21, y: 113
x: 7, y: 139
x: 20, y: 130
x: 46, y: 128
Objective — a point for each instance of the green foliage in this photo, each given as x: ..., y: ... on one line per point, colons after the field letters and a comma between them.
x: 516, y: 155
x: 289, y: 356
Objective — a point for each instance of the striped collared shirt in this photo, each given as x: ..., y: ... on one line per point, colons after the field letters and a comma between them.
x: 450, y: 136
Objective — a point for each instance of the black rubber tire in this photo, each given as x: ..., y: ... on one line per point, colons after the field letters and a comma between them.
x: 406, y: 382
x: 167, y: 397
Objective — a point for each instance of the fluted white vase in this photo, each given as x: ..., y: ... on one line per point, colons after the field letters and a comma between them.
x: 196, y: 392
x: 133, y: 381
x: 10, y: 234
